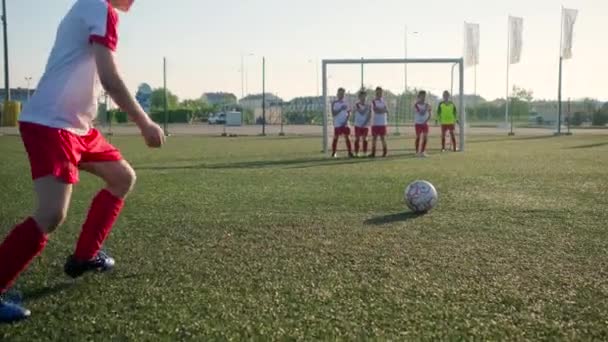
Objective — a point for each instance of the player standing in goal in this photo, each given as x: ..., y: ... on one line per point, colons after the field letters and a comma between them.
x: 57, y: 131
x: 447, y: 114
x: 363, y: 117
x: 341, y: 113
x: 379, y: 127
x: 422, y: 115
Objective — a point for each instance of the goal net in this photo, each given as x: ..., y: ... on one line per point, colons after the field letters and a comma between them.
x: 401, y: 79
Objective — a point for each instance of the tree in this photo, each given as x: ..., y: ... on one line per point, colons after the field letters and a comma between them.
x: 158, y: 99
x: 520, y: 102
x: 600, y: 117
x: 522, y: 94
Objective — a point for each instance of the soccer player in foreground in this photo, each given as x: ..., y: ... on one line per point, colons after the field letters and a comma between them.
x: 57, y: 130
x: 447, y: 114
x: 363, y: 117
x: 341, y: 113
x: 422, y: 115
x: 380, y: 110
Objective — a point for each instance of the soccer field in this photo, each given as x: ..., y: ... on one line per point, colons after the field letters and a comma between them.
x: 265, y: 238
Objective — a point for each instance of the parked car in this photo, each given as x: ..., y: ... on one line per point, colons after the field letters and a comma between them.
x: 217, y: 119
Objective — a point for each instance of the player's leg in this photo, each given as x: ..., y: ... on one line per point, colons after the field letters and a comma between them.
x: 365, y: 140
x: 357, y: 143
x: 334, y: 144
x: 443, y: 132
x: 384, y: 145
x: 28, y: 239
x: 425, y: 139
x: 349, y: 145
x: 103, y: 213
x: 374, y: 144
x: 453, y: 137
x: 417, y: 142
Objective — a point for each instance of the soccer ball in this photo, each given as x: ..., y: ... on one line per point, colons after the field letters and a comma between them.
x: 421, y: 196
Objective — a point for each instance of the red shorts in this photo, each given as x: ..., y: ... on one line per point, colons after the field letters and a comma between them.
x: 57, y: 152
x: 422, y: 129
x: 447, y: 128
x: 379, y: 131
x: 361, y: 132
x: 341, y: 131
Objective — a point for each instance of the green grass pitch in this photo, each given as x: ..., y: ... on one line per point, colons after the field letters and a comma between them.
x: 264, y: 238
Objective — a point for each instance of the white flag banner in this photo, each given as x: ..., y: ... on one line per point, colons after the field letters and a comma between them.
x: 471, y: 44
x: 516, y: 32
x: 568, y: 20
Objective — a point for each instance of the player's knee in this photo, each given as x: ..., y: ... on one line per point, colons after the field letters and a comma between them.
x: 50, y: 219
x: 124, y: 182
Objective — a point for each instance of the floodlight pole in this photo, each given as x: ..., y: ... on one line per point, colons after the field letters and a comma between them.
x: 325, y: 147
x: 166, y: 97
x: 263, y: 96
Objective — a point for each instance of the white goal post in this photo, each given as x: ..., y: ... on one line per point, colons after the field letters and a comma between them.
x: 454, y: 61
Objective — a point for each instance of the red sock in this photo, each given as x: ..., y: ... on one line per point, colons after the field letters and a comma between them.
x: 454, y: 143
x: 424, y: 140
x: 25, y: 242
x: 334, y: 146
x: 357, y: 146
x: 364, y: 146
x: 102, y: 215
x: 417, y: 144
x: 349, y: 146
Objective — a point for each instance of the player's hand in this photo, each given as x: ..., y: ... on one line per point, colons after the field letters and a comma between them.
x: 153, y: 135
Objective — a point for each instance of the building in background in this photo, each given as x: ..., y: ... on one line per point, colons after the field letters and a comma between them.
x: 220, y: 99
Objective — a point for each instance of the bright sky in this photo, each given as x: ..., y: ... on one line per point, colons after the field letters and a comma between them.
x: 204, y: 41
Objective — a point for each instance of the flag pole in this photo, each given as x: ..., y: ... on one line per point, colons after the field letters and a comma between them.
x: 508, y: 73
x: 561, y: 62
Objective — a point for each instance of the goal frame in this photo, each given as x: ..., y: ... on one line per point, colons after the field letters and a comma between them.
x: 454, y: 61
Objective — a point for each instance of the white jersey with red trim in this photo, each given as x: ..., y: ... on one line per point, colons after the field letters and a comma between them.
x: 362, y: 115
x: 341, y: 120
x: 380, y: 119
x: 66, y: 94
x: 422, y: 113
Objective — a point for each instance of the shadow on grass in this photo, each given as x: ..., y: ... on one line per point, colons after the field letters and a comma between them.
x: 47, y: 290
x: 580, y: 147
x: 393, y: 218
x: 535, y: 137
x: 262, y: 164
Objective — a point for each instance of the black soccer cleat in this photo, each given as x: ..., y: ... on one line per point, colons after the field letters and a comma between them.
x: 101, y: 263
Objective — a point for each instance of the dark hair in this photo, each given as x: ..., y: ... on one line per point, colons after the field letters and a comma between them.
x: 446, y: 93
x: 341, y: 89
x: 362, y: 92
x: 422, y: 93
x: 379, y: 89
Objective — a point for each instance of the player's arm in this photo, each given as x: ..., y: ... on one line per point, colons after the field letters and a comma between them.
x: 334, y: 111
x: 429, y: 113
x: 113, y: 83
x: 368, y: 115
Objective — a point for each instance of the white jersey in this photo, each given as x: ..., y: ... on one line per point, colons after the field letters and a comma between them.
x: 66, y: 95
x: 422, y: 113
x: 380, y: 119
x: 341, y: 120
x: 362, y: 115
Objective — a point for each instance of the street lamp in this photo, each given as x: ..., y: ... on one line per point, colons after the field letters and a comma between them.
x: 243, y: 73
x: 7, y: 87
x: 28, y: 80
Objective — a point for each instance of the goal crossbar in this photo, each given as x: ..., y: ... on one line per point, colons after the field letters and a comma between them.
x: 363, y: 61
